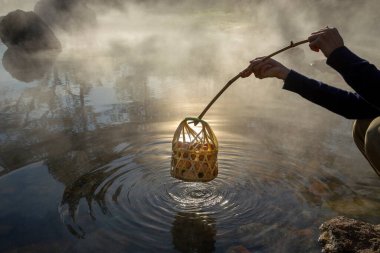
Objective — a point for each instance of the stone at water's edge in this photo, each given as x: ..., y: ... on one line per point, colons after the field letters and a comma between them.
x: 27, y: 31
x: 342, y: 234
x: 32, y: 45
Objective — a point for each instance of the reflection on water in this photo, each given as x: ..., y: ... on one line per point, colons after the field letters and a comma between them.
x: 28, y: 67
x: 92, y: 136
x: 193, y: 233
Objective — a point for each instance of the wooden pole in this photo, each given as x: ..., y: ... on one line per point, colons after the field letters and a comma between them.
x: 239, y: 75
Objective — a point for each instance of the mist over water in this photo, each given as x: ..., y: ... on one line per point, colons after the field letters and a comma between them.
x: 85, y: 137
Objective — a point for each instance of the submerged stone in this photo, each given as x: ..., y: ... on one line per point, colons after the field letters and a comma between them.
x: 28, y: 32
x: 342, y: 234
x: 238, y: 249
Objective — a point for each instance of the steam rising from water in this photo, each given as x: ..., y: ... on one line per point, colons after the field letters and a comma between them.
x: 186, y: 51
x: 172, y: 47
x: 199, y: 37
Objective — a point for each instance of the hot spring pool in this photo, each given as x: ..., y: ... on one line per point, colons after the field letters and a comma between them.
x: 85, y: 148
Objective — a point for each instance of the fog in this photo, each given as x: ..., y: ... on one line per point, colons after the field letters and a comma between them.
x: 186, y: 51
x: 204, y: 36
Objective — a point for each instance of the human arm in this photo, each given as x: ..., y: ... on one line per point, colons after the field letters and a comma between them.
x: 347, y: 104
x: 361, y: 75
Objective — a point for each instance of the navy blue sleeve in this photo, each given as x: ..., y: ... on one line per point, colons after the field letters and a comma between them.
x: 362, y: 76
x: 347, y: 104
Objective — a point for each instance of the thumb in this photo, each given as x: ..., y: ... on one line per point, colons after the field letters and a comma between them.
x: 313, y: 46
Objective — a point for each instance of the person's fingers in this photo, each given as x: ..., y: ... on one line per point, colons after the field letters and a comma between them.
x: 316, y: 36
x: 322, y: 30
x: 317, y: 42
x: 261, y: 67
x: 246, y: 72
x: 314, y: 46
x: 262, y: 61
x: 260, y: 73
x: 256, y: 60
x: 266, y: 68
x: 250, y: 69
x: 322, y: 33
x: 313, y: 37
x: 256, y: 67
x: 262, y: 70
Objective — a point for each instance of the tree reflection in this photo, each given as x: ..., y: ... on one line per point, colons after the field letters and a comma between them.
x: 88, y: 187
x: 192, y: 232
x: 58, y: 119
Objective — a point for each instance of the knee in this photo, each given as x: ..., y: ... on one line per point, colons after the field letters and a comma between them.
x: 372, y: 144
x: 372, y: 138
x: 360, y: 127
x: 355, y: 130
x: 359, y: 130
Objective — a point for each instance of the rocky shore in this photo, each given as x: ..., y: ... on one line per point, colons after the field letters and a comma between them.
x: 342, y: 234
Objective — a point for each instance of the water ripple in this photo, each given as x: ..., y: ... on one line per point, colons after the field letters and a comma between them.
x: 135, y: 198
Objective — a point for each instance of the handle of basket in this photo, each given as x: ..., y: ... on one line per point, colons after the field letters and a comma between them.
x: 239, y: 75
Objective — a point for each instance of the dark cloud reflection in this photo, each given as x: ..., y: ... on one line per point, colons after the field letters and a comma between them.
x: 32, y: 46
x: 28, y: 67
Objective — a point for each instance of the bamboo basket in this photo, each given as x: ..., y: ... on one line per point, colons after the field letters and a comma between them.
x: 195, y: 151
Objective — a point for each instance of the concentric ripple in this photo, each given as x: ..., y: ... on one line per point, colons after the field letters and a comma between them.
x: 134, y: 204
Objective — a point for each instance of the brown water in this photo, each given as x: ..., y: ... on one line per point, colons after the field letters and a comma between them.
x: 85, y: 148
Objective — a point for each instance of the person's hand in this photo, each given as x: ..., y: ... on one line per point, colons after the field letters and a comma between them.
x: 327, y: 40
x: 266, y: 68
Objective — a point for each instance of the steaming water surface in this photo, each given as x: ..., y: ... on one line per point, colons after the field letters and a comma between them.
x: 86, y: 148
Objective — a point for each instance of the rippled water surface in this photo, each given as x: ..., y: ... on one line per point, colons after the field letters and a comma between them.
x: 85, y: 144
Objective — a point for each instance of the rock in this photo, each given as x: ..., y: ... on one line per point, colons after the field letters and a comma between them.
x: 28, y: 67
x: 342, y: 234
x: 27, y: 31
x: 32, y: 46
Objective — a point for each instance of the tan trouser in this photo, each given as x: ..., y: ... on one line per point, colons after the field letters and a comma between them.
x: 367, y: 137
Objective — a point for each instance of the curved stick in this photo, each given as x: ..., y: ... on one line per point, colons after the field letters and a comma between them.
x: 239, y: 75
